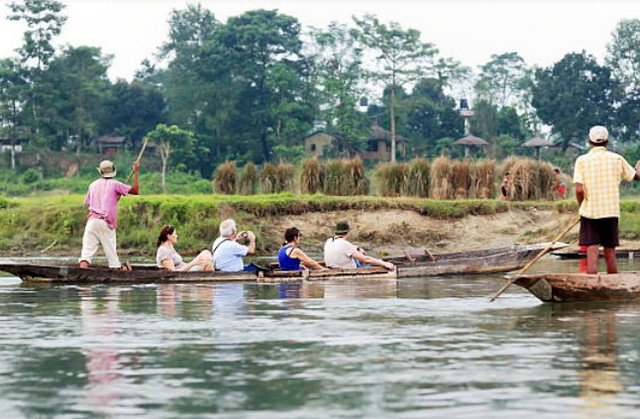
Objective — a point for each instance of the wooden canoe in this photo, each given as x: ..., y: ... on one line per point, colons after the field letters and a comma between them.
x: 59, y: 273
x: 502, y: 259
x: 578, y: 287
x: 576, y: 254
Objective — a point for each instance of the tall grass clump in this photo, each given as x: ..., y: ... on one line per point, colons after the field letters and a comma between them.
x: 249, y: 179
x: 532, y: 180
x: 440, y: 175
x: 225, y: 178
x: 336, y: 178
x: 483, y: 173
x: 357, y: 177
x: 268, y: 180
x: 312, y: 176
x: 460, y: 179
x: 392, y: 178
x: 546, y: 176
x: 284, y: 177
x: 418, y: 179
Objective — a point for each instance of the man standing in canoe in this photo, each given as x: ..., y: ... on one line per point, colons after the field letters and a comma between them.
x: 597, y: 176
x: 102, y: 199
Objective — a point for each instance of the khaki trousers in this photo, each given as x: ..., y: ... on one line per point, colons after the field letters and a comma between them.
x: 97, y: 233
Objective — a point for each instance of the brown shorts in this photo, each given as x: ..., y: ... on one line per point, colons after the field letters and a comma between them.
x: 602, y: 231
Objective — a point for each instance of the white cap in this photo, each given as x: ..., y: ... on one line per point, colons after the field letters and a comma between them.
x: 598, y: 134
x: 107, y: 169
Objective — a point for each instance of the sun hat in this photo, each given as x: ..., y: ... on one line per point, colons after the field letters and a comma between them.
x: 342, y: 227
x: 107, y: 169
x: 598, y: 134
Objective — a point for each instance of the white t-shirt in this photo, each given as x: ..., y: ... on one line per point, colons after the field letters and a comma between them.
x: 227, y: 256
x: 337, y: 253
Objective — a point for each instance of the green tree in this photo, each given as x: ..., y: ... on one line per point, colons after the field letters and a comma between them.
x: 402, y: 56
x: 574, y: 94
x: 623, y: 56
x: 133, y: 109
x: 263, y: 50
x: 44, y: 21
x: 175, y: 145
x: 340, y: 78
x: 431, y: 115
x: 12, y: 91
x: 502, y: 79
x: 80, y: 87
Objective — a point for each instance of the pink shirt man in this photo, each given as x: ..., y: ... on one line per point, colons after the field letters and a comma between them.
x: 102, y: 199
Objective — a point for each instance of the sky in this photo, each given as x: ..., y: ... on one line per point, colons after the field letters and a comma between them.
x: 541, y: 31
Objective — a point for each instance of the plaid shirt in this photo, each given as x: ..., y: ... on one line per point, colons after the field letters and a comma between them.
x: 601, y: 171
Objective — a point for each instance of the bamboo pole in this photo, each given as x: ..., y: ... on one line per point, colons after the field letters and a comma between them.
x: 535, y: 259
x: 144, y: 145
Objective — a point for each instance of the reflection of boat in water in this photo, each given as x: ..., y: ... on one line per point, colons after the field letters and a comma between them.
x: 579, y: 287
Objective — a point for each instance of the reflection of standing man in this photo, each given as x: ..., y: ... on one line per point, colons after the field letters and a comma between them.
x: 102, y: 199
x: 597, y: 176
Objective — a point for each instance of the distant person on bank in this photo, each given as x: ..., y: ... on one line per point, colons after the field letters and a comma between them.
x: 340, y: 253
x: 291, y: 257
x: 597, y: 176
x: 102, y: 200
x: 228, y: 253
x: 168, y: 258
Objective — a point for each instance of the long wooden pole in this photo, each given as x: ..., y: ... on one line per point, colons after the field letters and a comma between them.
x: 144, y: 145
x: 535, y: 259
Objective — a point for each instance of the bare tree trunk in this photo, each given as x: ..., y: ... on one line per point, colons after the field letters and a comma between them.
x: 393, y: 121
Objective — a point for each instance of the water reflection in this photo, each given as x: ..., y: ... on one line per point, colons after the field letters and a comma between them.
x: 424, y: 347
x: 99, y: 327
x: 600, y: 373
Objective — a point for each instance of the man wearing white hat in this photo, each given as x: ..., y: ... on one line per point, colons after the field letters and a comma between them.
x: 597, y: 176
x: 102, y: 200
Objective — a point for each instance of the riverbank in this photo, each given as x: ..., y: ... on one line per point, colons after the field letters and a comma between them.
x: 53, y: 226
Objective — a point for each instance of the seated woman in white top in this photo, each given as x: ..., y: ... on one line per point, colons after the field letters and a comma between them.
x: 169, y: 259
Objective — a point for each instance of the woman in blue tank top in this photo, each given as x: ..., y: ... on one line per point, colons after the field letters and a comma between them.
x: 290, y: 257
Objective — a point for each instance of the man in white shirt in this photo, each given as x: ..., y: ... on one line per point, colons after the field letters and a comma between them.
x: 340, y: 253
x: 228, y: 253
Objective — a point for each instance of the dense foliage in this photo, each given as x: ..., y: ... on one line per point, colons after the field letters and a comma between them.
x: 252, y: 88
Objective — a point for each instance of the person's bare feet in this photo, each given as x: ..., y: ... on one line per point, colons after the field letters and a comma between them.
x: 126, y: 266
x: 83, y: 264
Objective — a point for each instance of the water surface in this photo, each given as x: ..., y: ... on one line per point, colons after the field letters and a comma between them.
x: 416, y: 348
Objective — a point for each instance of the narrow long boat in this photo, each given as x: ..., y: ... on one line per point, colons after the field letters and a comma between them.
x: 621, y: 253
x: 72, y: 274
x: 577, y: 287
x: 496, y: 260
x: 503, y: 259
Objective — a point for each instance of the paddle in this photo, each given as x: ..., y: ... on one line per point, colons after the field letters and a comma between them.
x: 535, y: 259
x: 144, y: 145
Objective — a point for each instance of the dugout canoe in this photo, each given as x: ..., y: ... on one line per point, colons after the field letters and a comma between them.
x: 579, y: 287
x: 495, y: 260
x: 576, y: 254
x: 72, y: 274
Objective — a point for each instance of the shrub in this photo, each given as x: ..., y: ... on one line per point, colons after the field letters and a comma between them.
x: 225, y: 178
x: 268, y: 178
x: 312, y: 176
x: 249, y: 179
x: 418, y: 179
x: 440, y: 175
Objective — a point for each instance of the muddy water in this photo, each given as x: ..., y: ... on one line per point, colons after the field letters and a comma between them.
x: 419, y: 347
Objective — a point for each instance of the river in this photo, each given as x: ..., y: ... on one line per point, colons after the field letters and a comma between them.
x: 417, y: 348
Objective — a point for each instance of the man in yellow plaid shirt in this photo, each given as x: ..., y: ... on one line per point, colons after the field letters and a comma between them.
x: 597, y: 176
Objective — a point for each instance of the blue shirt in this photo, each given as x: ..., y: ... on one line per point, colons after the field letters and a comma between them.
x: 287, y: 263
x: 227, y: 256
